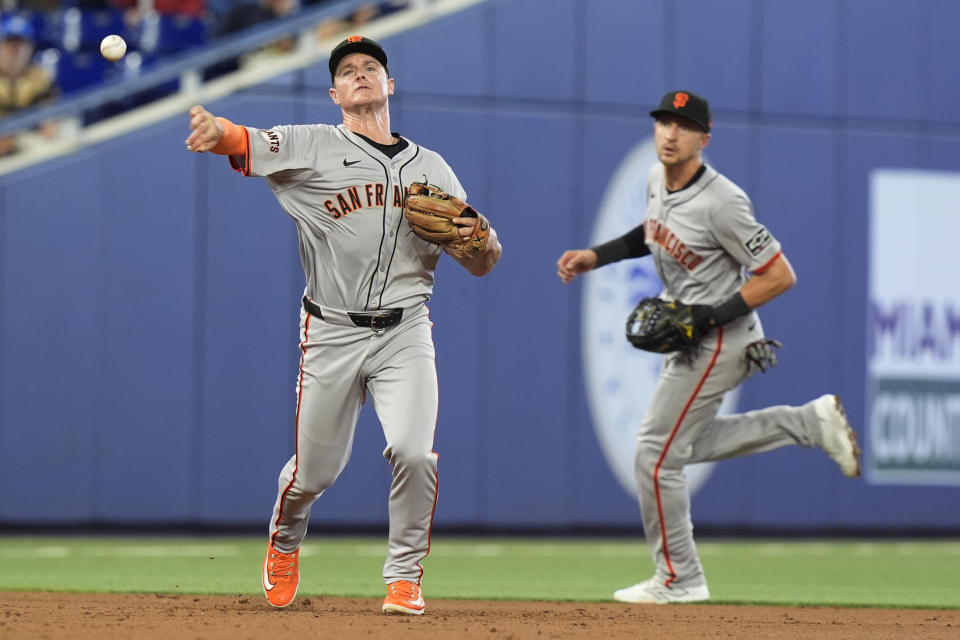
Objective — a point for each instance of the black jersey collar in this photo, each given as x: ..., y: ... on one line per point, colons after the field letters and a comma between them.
x: 696, y: 176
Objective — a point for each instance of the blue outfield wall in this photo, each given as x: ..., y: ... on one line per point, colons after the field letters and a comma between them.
x: 149, y: 297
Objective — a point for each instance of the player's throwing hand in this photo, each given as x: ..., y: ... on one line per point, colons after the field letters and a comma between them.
x: 206, y: 132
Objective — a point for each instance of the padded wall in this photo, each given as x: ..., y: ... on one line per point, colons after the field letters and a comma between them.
x: 148, y: 297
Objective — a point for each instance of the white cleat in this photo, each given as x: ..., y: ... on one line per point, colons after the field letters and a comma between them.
x: 653, y: 591
x: 839, y: 439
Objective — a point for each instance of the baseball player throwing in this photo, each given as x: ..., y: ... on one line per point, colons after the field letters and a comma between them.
x: 702, y: 233
x: 364, y: 323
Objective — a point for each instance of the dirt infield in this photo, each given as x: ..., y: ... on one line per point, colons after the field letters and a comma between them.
x: 106, y: 617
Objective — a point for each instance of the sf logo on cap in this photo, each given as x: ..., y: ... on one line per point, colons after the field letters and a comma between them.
x: 354, y: 38
x: 680, y: 100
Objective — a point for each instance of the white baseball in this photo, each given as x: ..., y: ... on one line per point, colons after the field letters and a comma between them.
x: 113, y: 48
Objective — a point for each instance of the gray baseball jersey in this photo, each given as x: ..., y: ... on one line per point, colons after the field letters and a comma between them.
x: 346, y: 198
x: 359, y: 255
x: 703, y: 238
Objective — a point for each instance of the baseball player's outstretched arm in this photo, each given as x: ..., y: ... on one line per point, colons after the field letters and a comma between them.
x: 479, y: 264
x: 217, y: 135
x: 574, y: 262
x: 629, y: 245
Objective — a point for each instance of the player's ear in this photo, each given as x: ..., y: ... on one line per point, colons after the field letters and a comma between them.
x: 333, y: 96
x: 704, y: 141
x: 390, y: 86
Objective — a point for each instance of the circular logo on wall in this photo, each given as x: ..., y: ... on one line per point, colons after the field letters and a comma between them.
x: 621, y: 379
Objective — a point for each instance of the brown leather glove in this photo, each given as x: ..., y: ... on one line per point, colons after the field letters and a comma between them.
x: 430, y: 212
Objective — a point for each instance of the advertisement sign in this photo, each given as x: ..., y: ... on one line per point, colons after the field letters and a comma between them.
x: 913, y: 328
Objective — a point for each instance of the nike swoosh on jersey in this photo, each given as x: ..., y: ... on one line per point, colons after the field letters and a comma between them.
x: 349, y: 164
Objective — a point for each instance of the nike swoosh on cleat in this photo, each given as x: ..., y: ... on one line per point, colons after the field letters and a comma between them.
x: 266, y: 580
x: 349, y: 164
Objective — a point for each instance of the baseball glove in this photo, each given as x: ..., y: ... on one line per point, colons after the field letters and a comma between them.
x: 429, y: 212
x: 662, y: 327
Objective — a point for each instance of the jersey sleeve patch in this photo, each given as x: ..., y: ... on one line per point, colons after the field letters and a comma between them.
x: 758, y: 242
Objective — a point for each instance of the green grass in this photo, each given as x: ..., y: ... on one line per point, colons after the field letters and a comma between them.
x: 843, y: 573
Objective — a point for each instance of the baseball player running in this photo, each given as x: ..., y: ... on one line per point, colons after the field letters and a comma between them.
x: 700, y: 228
x: 364, y: 322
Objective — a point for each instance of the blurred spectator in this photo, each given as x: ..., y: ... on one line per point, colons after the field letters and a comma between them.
x: 216, y: 9
x: 331, y: 29
x: 244, y: 15
x: 192, y: 8
x: 137, y: 17
x: 22, y: 83
x: 247, y: 14
x: 89, y: 5
x: 334, y: 26
x: 39, y: 5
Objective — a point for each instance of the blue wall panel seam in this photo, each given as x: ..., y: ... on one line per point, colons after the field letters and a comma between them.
x: 670, y: 19
x: 4, y: 270
x: 841, y: 61
x: 482, y: 441
x: 574, y: 375
x: 755, y: 53
x: 100, y: 440
x: 200, y: 316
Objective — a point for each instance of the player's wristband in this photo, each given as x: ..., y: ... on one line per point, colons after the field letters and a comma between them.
x: 707, y: 317
x: 733, y: 308
x: 234, y: 140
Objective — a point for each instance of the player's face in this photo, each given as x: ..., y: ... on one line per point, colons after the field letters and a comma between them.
x: 360, y: 80
x: 678, y: 140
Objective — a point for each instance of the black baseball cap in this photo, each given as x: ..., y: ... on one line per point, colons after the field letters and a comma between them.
x: 685, y: 104
x: 357, y: 44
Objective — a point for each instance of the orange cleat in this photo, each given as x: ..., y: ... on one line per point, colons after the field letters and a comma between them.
x: 281, y: 576
x: 404, y: 596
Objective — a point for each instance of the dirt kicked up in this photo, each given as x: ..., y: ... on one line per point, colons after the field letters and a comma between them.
x: 154, y: 616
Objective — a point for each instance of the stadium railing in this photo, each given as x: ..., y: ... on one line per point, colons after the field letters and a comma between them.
x: 186, y: 70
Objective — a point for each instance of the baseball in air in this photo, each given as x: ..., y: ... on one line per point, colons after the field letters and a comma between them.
x: 113, y: 48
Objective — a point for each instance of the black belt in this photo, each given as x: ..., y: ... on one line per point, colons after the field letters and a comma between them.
x: 376, y: 320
